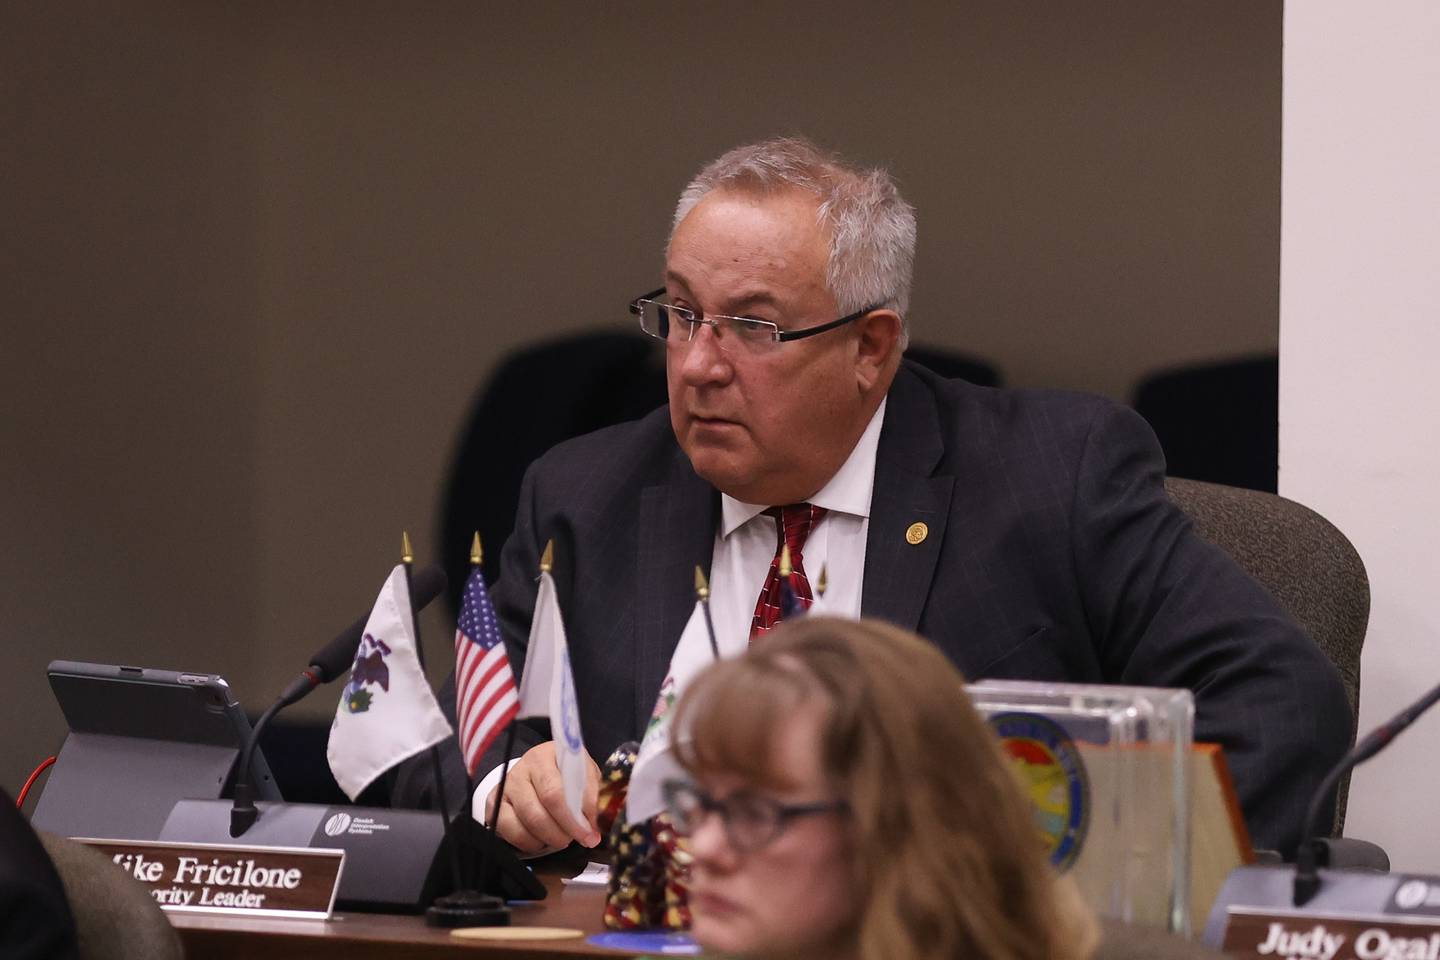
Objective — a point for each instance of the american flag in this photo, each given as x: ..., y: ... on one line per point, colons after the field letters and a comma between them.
x: 484, y: 683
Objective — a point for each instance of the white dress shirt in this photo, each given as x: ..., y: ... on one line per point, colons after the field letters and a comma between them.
x: 745, y: 545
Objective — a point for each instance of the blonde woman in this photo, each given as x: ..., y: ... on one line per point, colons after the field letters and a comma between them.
x: 845, y: 802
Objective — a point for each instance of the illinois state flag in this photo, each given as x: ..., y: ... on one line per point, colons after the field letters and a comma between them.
x: 656, y: 763
x: 388, y: 712
x: 547, y: 689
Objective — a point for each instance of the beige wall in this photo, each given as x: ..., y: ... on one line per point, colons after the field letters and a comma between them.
x: 1360, y: 294
x: 257, y: 257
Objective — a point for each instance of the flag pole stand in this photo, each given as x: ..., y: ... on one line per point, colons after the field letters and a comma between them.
x: 467, y: 908
x: 463, y: 907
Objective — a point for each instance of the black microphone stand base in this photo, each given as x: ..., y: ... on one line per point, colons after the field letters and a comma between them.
x: 467, y: 908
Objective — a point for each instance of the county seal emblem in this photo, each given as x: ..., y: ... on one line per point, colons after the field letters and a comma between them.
x: 1053, y: 776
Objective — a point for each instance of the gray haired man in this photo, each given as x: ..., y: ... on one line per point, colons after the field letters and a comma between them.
x: 1025, y: 533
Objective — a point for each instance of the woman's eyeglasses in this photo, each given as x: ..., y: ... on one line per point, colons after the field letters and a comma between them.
x: 751, y: 821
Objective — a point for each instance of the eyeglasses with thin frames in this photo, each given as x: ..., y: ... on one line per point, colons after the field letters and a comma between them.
x: 673, y: 324
x: 751, y: 821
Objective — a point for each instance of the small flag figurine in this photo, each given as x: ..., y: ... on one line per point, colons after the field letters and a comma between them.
x: 387, y: 712
x: 791, y: 604
x: 547, y: 688
x: 656, y: 763
x: 485, y: 693
x: 822, y: 583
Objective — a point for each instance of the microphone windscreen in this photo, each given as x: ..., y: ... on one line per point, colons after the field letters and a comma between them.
x: 336, y: 656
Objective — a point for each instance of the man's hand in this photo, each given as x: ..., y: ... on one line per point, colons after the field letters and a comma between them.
x: 534, y: 818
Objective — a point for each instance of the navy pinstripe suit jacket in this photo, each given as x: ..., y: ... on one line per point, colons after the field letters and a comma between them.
x: 1054, y: 554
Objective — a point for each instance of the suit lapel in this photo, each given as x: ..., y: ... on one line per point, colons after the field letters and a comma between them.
x: 677, y: 531
x: 899, y: 572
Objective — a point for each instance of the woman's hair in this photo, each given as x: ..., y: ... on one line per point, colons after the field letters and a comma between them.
x: 947, y: 858
x: 872, y: 228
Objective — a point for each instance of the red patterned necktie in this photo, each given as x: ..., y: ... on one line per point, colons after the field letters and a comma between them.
x: 793, y: 527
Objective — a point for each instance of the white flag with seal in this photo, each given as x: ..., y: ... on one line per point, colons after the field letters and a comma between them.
x: 388, y: 712
x: 655, y: 762
x: 547, y: 689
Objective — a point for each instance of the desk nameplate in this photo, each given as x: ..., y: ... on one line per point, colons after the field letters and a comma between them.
x: 1305, y: 935
x: 226, y: 879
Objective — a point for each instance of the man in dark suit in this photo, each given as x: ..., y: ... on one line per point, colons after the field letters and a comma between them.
x: 1028, y: 534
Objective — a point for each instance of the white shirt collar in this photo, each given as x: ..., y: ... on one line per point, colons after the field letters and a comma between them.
x: 849, y: 491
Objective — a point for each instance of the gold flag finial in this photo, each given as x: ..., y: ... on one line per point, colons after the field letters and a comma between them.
x: 785, y: 568
x: 477, y: 553
x: 547, y: 559
x: 406, y: 554
x: 823, y: 582
x: 702, y: 586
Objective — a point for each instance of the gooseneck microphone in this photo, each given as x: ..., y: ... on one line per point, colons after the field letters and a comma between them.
x: 327, y: 663
x: 1307, y: 855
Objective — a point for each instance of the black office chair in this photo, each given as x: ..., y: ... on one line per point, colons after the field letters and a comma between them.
x: 536, y: 397
x: 1217, y: 421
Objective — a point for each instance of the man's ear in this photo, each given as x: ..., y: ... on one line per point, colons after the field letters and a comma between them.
x: 876, y: 346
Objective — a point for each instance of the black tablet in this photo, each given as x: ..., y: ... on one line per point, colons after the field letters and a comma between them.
x: 141, y: 739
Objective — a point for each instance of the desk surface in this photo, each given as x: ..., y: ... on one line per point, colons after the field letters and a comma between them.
x: 361, y: 936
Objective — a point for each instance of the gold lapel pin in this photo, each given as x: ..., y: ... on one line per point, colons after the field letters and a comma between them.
x: 916, y: 533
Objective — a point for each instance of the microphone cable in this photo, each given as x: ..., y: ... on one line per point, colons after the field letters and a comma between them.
x: 46, y: 764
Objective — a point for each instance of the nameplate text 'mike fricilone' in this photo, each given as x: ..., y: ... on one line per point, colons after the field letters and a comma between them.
x: 213, y: 878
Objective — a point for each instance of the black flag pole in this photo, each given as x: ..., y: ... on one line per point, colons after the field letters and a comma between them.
x: 463, y: 907
x: 477, y: 560
x: 547, y: 560
x: 702, y: 593
x: 407, y: 560
x: 491, y: 865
